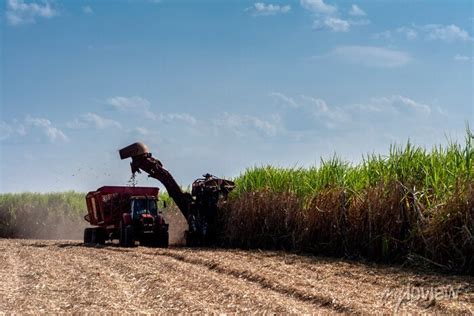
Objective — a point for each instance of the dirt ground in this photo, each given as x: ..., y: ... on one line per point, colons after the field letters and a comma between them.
x: 64, y: 276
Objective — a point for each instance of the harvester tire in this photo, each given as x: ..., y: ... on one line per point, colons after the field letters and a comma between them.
x: 191, y: 239
x: 100, y: 236
x: 129, y: 236
x: 88, y: 235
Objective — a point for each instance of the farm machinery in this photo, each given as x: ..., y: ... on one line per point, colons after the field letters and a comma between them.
x: 130, y: 214
x: 200, y: 207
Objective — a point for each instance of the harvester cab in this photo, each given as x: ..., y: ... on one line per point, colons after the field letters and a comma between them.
x: 201, y: 207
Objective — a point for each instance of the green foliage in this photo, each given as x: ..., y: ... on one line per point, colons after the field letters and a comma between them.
x: 411, y: 203
x: 435, y: 173
x: 40, y: 215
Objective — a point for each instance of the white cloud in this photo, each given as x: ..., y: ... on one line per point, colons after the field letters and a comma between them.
x: 93, y: 120
x: 318, y: 6
x: 87, y: 10
x: 173, y: 117
x: 333, y: 24
x: 408, y: 32
x: 53, y: 133
x: 356, y: 11
x: 261, y: 9
x: 287, y: 100
x: 326, y: 17
x: 124, y: 103
x: 446, y: 33
x: 372, y: 56
x: 21, y: 12
x: 142, y: 106
x: 316, y: 105
x: 462, y: 58
x: 243, y: 124
x: 137, y: 104
x: 142, y: 131
x: 385, y: 35
x: 400, y: 104
x: 16, y: 128
x: 5, y: 130
x: 307, y: 114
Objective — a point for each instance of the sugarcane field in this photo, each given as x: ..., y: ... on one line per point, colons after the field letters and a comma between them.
x: 276, y: 157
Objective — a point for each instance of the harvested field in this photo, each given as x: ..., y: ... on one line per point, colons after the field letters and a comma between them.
x: 64, y: 276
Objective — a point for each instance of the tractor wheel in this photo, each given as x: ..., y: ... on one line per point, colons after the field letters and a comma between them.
x: 163, y: 239
x: 129, y: 236
x: 88, y: 235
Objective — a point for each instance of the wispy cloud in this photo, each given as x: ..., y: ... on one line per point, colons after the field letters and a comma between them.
x: 87, y: 10
x: 242, y: 125
x: 262, y: 9
x: 433, y: 32
x: 462, y: 58
x: 398, y: 103
x: 327, y: 17
x: 446, y: 33
x: 10, y: 130
x: 142, y: 106
x: 141, y: 131
x: 173, y: 117
x: 53, y: 133
x: 306, y: 113
x: 333, y: 24
x: 93, y: 120
x: 125, y: 103
x: 20, y: 12
x: 287, y: 100
x: 135, y: 103
x: 356, y: 11
x: 318, y: 6
x: 371, y: 56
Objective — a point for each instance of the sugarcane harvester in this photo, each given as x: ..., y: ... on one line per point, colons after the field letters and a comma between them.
x: 200, y: 207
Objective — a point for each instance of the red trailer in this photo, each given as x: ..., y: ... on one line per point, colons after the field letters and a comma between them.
x: 128, y: 214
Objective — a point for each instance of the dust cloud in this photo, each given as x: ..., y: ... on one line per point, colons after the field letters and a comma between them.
x: 177, y: 225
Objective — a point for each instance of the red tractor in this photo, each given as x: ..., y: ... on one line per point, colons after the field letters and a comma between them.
x: 128, y: 214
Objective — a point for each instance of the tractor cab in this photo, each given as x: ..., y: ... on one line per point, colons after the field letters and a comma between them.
x: 143, y: 205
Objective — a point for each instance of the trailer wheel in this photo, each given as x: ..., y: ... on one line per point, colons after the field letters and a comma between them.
x: 122, y: 235
x: 129, y: 236
x: 88, y: 235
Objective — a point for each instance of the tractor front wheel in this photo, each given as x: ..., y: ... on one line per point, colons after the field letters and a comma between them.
x: 129, y: 236
x: 163, y: 239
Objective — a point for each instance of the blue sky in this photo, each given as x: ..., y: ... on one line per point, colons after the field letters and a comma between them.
x: 218, y: 86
